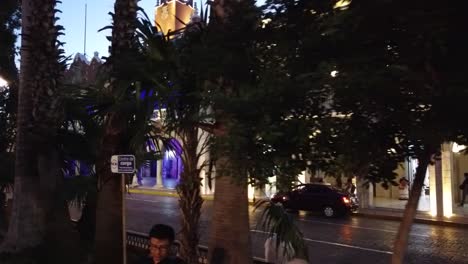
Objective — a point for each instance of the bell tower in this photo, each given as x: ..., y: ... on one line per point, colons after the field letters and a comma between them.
x: 172, y: 15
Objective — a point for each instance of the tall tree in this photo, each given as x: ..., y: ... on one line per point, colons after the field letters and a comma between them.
x: 109, y: 222
x: 408, y: 86
x: 186, y: 113
x: 38, y: 214
x: 230, y: 240
x: 9, y: 22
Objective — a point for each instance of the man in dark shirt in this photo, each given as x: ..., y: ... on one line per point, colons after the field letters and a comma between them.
x: 161, y: 242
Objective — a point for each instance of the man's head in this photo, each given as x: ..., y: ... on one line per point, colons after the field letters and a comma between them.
x: 466, y: 174
x: 161, y: 239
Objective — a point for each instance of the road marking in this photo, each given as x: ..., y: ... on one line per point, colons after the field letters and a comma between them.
x: 335, y: 244
x: 349, y: 246
x: 360, y: 227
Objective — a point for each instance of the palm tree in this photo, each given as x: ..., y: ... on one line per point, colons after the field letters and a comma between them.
x: 109, y: 216
x: 6, y: 185
x: 275, y: 221
x: 39, y: 114
x: 230, y: 220
x: 165, y: 56
x: 230, y: 231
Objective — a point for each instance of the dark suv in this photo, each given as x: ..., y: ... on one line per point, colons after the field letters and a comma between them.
x: 317, y: 197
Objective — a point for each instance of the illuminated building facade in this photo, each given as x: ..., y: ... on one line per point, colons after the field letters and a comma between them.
x: 173, y: 15
x: 440, y: 197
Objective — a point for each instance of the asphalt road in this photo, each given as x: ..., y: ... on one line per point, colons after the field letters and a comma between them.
x: 351, y: 240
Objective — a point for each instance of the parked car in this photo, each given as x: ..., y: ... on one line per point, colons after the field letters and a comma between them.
x: 318, y: 197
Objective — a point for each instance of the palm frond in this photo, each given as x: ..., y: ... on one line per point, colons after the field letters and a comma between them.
x: 77, y: 189
x: 275, y: 221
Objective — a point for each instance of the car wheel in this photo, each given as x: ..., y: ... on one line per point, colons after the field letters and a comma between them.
x: 329, y: 211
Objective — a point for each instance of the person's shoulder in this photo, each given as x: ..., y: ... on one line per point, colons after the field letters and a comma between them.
x: 173, y: 260
x: 297, y: 261
x: 145, y: 260
x: 179, y: 261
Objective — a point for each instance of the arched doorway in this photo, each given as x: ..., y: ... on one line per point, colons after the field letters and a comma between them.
x: 172, y: 164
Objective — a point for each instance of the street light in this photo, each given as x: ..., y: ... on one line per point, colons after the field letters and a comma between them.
x: 3, y: 82
x: 457, y: 148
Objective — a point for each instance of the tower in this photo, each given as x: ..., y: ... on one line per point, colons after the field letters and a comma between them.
x: 173, y: 15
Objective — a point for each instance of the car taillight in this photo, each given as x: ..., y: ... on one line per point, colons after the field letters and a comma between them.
x: 346, y: 200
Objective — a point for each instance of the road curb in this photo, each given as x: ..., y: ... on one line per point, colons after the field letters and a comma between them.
x: 416, y: 220
x: 163, y: 193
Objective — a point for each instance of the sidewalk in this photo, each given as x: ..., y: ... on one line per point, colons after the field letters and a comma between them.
x: 160, y: 192
x: 421, y: 217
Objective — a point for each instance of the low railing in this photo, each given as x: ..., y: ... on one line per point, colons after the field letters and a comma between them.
x: 138, y: 245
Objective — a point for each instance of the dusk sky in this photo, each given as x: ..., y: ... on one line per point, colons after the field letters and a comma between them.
x: 72, y: 18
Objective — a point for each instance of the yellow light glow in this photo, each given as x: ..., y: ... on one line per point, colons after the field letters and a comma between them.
x: 250, y: 192
x: 342, y: 4
x: 265, y: 22
x: 447, y: 196
x: 301, y: 177
x: 457, y: 148
x: 447, y: 173
x: 433, y: 194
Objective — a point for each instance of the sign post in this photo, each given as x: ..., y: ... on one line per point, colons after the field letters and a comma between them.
x: 123, y: 164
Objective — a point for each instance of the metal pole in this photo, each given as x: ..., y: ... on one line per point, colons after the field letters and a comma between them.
x: 85, y: 26
x: 124, y: 224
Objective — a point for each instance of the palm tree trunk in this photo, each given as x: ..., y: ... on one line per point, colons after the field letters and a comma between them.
x: 109, y: 243
x: 3, y: 217
x: 61, y: 241
x: 190, y: 200
x: 109, y: 216
x: 230, y: 230
x: 27, y: 226
x: 401, y: 241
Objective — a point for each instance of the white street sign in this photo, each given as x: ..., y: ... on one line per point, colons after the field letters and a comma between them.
x: 123, y: 164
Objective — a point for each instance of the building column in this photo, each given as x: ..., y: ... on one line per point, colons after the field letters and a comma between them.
x: 135, y: 180
x: 203, y: 163
x: 447, y: 174
x: 435, y: 189
x: 432, y: 190
x: 308, y: 175
x: 204, y: 186
x: 259, y: 192
x: 159, y: 184
x: 363, y: 194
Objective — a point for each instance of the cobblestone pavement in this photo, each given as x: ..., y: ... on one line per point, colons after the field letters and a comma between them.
x: 351, y: 240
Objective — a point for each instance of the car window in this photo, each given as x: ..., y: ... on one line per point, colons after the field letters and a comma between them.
x: 316, y: 189
x: 301, y: 188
